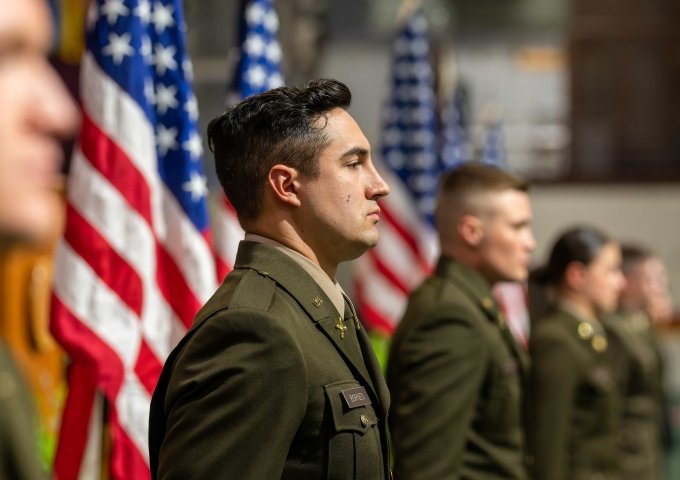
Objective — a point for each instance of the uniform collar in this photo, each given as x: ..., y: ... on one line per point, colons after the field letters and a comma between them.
x: 468, y: 280
x: 329, y: 285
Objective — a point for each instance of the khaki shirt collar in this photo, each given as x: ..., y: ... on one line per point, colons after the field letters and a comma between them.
x: 329, y: 285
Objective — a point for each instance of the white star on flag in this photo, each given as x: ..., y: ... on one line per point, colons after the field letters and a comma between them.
x: 162, y: 16
x: 273, y: 52
x: 113, y: 9
x: 255, y: 45
x: 166, y: 138
x: 166, y: 97
x: 118, y: 47
x: 164, y: 58
x: 188, y: 68
x: 255, y: 13
x: 257, y: 76
x: 275, y: 81
x: 271, y: 22
x: 194, y: 146
x: 145, y: 49
x: 191, y: 107
x: 197, y: 186
x: 143, y: 11
x: 149, y: 91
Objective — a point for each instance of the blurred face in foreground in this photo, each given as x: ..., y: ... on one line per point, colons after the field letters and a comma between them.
x: 35, y: 113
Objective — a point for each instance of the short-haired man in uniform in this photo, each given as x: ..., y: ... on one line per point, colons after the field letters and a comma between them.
x: 455, y: 372
x: 276, y: 378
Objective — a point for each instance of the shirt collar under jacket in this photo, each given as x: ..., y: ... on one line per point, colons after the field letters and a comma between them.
x: 329, y: 285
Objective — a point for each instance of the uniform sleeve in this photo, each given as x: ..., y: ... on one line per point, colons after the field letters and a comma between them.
x: 552, y: 390
x: 435, y: 377
x: 235, y: 401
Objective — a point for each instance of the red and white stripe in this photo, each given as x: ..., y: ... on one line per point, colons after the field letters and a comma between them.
x: 384, y: 277
x: 131, y: 272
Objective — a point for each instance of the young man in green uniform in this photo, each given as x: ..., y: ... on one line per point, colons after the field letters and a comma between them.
x: 36, y: 112
x: 276, y: 379
x: 455, y: 372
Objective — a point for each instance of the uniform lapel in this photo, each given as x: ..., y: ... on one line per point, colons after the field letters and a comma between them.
x: 474, y: 285
x: 300, y: 285
x: 350, y: 346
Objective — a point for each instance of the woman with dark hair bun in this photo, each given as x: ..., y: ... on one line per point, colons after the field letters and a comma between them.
x: 574, y: 409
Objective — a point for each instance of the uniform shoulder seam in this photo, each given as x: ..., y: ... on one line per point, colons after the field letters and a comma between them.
x: 254, y: 291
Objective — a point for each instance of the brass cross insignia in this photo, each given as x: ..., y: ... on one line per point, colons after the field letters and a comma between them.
x: 340, y: 326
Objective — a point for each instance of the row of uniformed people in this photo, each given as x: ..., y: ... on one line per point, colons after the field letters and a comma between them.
x: 595, y: 394
x: 466, y: 401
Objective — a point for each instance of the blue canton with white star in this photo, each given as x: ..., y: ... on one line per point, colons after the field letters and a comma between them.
x: 409, y: 143
x: 141, y: 45
x: 259, y: 67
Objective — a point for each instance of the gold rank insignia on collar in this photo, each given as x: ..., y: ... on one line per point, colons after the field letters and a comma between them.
x: 585, y: 330
x: 502, y: 321
x: 340, y: 327
x: 317, y: 302
x: 487, y: 303
x: 599, y: 343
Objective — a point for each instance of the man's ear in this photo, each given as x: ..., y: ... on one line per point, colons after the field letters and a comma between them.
x: 283, y: 181
x: 471, y: 230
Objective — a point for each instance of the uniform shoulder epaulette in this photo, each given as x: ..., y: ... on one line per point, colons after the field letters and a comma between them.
x: 255, y: 291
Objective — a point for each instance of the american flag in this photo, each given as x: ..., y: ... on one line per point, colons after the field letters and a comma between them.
x: 135, y: 262
x: 258, y: 70
x: 456, y: 148
x: 386, y: 274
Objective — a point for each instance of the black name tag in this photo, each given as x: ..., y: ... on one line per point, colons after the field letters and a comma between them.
x: 356, y: 397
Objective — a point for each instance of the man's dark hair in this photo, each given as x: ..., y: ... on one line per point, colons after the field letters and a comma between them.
x: 577, y: 244
x: 280, y: 126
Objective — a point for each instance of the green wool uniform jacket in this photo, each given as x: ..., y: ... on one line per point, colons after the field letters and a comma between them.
x: 637, y: 364
x: 18, y: 438
x: 573, y: 400
x: 455, y: 374
x: 270, y: 383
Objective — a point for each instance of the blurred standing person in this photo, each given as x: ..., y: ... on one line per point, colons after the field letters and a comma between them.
x: 645, y: 300
x: 276, y: 378
x: 455, y: 372
x: 573, y: 399
x: 35, y: 113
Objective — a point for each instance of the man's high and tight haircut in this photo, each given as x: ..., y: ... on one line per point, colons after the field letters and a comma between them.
x: 282, y: 126
x: 459, y: 186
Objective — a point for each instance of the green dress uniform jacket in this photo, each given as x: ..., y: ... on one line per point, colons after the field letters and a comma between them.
x: 455, y: 374
x: 573, y: 400
x: 18, y: 439
x: 270, y: 383
x: 637, y: 365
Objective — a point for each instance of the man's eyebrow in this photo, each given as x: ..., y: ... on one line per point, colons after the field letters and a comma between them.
x: 358, y: 151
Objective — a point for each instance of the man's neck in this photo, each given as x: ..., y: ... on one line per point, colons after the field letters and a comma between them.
x: 289, y: 238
